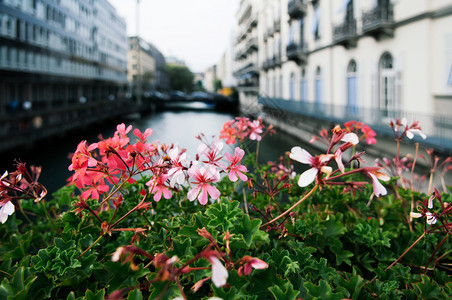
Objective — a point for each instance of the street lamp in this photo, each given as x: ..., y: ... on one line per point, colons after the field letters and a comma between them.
x: 138, y: 53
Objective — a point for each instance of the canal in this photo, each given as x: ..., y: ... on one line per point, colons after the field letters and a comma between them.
x: 176, y: 126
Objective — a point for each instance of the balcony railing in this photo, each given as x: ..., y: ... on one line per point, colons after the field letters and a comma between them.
x: 345, y: 34
x: 379, y: 21
x: 298, y: 52
x: 438, y: 128
x: 251, y: 45
x: 297, y: 9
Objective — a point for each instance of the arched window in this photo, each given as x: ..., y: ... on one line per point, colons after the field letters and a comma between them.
x: 387, y: 100
x: 303, y: 86
x: 351, y: 87
x: 318, y: 86
x: 292, y: 86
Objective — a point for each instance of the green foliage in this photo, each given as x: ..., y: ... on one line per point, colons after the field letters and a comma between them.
x: 335, y: 245
x: 180, y: 77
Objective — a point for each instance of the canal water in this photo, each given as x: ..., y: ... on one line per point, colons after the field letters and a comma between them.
x: 177, y: 126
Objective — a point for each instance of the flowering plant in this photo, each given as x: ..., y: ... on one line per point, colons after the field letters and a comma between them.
x: 141, y: 219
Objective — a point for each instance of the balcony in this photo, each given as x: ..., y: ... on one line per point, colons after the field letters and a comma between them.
x: 297, y: 52
x: 378, y: 22
x: 277, y: 25
x: 345, y: 34
x: 251, y: 45
x: 297, y: 9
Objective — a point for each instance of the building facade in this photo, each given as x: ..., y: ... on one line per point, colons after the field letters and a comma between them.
x: 369, y: 57
x: 62, y: 65
x: 149, y: 62
x: 55, y: 53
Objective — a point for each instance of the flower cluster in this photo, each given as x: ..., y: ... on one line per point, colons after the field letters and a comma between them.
x: 20, y: 184
x: 367, y: 132
x: 116, y: 160
x: 321, y: 172
x: 241, y: 128
x: 401, y: 129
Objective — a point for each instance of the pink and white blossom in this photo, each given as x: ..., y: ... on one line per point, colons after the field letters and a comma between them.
x: 317, y: 163
x: 235, y: 169
x: 379, y: 189
x: 176, y: 173
x: 6, y: 209
x: 203, y: 177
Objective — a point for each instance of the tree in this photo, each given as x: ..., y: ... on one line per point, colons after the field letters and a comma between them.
x: 217, y: 84
x: 180, y: 77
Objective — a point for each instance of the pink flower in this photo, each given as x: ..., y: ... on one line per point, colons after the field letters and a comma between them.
x: 82, y: 157
x: 228, y: 132
x: 255, y: 130
x: 210, y: 152
x: 317, y: 163
x: 6, y: 210
x: 251, y: 263
x: 235, y: 169
x: 158, y: 188
x: 203, y: 177
x: 219, y: 272
x: 176, y: 173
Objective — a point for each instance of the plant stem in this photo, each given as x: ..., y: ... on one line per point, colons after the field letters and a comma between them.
x: 257, y: 151
x: 406, y: 251
x: 23, y: 213
x: 434, y: 252
x: 50, y: 219
x: 293, y: 206
x: 244, y: 199
x: 95, y: 242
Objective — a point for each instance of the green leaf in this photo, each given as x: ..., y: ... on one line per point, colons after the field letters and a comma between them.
x: 285, y: 293
x: 123, y: 276
x: 248, y: 228
x: 223, y: 215
x: 334, y: 226
x: 99, y: 295
x: 427, y: 289
x: 322, y: 291
x: 351, y: 288
x: 135, y: 295
x: 18, y: 286
x: 341, y: 254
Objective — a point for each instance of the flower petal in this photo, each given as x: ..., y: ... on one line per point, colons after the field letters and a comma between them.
x: 300, y: 155
x: 350, y: 137
x: 307, y: 177
x: 219, y: 272
x: 6, y: 210
x: 379, y: 189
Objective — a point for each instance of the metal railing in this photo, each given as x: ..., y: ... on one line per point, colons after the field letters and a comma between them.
x: 438, y: 128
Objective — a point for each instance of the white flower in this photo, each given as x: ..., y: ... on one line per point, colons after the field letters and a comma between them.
x: 431, y: 219
x: 415, y: 215
x: 219, y: 272
x: 6, y: 210
x: 379, y: 189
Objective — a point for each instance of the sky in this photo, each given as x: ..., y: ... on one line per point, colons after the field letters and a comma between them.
x: 196, y: 31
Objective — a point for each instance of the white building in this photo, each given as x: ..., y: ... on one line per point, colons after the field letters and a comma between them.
x: 373, y: 58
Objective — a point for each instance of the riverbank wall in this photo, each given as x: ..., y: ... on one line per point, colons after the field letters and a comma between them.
x: 303, y: 128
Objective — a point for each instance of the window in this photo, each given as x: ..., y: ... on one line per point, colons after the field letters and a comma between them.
x: 318, y: 86
x: 280, y: 86
x: 316, y: 20
x: 387, y: 99
x: 303, y: 86
x: 292, y: 86
x: 351, y: 87
x: 449, y: 81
